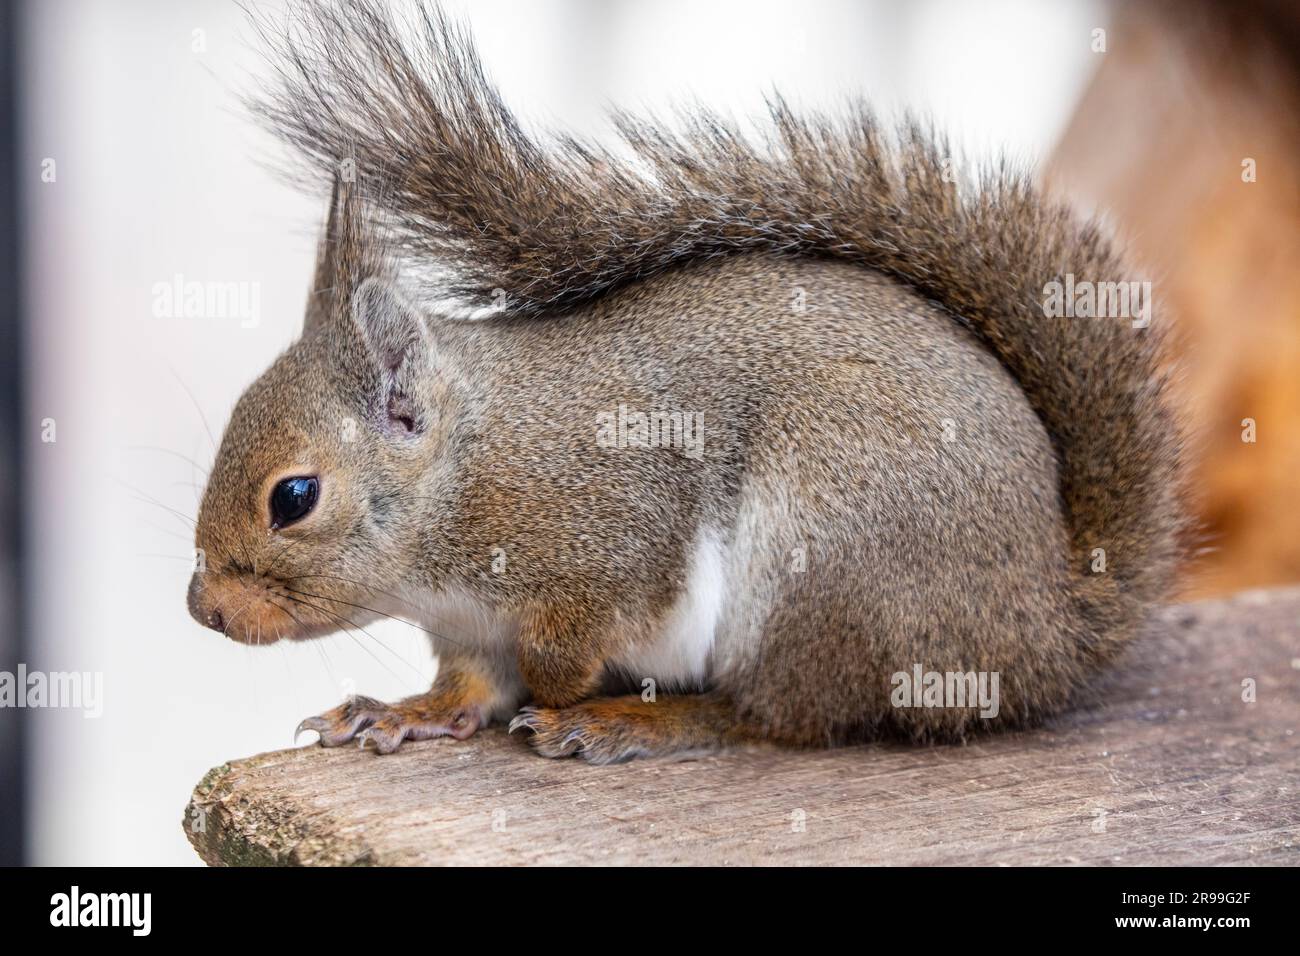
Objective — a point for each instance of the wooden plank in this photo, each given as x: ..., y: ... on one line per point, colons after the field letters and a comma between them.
x: 1165, y: 765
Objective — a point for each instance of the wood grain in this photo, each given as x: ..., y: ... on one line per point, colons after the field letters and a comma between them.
x: 1166, y: 765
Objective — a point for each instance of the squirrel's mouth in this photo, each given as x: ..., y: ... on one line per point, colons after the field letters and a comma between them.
x: 259, y: 610
x: 271, y: 619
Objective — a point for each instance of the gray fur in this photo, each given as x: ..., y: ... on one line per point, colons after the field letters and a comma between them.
x: 946, y: 456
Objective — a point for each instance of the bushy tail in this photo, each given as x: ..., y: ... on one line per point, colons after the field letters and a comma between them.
x: 556, y: 222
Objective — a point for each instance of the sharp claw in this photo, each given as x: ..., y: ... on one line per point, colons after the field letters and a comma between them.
x: 525, y: 718
x: 311, y: 723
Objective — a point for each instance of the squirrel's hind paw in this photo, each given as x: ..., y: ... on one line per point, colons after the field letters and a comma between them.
x: 614, y: 729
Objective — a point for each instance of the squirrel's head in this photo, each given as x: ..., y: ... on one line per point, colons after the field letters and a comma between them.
x: 316, y: 505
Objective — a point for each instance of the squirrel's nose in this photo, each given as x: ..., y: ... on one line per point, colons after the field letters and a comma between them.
x: 208, y: 616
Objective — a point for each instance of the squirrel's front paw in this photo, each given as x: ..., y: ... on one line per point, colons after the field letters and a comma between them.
x: 386, y: 725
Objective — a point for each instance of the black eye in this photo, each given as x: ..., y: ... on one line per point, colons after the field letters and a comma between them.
x: 292, y: 499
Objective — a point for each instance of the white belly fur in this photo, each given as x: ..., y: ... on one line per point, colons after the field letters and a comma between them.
x: 679, y: 656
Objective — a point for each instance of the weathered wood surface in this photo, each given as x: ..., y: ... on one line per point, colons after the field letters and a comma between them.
x: 1166, y: 765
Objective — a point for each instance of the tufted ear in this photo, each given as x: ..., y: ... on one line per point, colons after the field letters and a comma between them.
x: 342, y: 257
x: 400, y: 353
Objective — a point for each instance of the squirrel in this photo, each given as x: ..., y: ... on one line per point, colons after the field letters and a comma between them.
x: 739, y: 431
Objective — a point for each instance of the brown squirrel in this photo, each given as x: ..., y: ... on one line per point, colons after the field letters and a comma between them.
x: 750, y: 430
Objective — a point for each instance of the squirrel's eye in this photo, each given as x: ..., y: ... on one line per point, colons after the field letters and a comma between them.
x: 292, y: 499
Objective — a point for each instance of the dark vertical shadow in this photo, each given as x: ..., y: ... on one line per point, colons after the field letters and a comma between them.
x: 12, y: 814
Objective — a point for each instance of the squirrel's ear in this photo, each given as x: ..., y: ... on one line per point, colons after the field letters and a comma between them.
x: 339, y: 257
x: 399, y: 351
